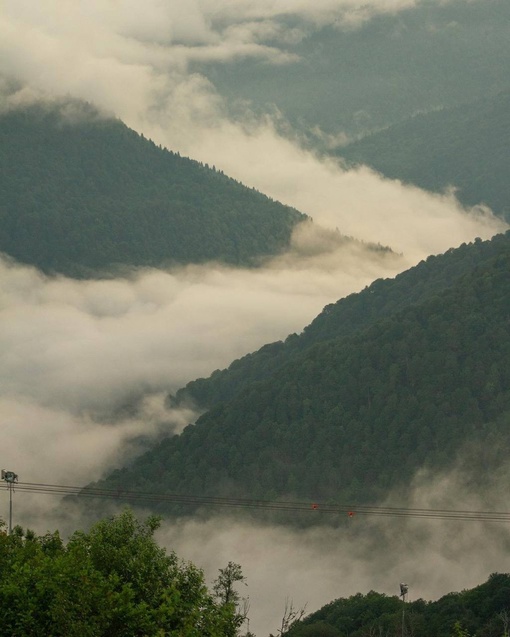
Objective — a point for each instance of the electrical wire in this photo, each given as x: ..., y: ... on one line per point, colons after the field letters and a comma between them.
x: 291, y: 506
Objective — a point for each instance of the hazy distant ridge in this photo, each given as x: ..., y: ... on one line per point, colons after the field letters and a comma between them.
x: 464, y: 147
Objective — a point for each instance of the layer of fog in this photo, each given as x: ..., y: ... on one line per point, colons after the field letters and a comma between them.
x: 314, y: 566
x: 95, y: 52
x: 167, y: 34
x: 80, y: 355
x: 86, y: 365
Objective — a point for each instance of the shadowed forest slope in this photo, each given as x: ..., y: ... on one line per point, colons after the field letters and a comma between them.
x: 82, y: 193
x: 353, y: 415
x: 464, y: 147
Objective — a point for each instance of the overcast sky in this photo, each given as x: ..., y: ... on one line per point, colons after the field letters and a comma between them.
x: 73, y: 352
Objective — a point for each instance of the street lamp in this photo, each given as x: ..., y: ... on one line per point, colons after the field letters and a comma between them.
x: 10, y: 478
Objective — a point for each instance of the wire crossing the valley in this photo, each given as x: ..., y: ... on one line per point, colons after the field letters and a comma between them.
x: 147, y: 497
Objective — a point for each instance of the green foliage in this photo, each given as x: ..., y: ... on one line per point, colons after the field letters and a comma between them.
x: 346, y: 317
x: 346, y: 418
x: 224, y: 586
x: 225, y: 590
x: 113, y: 581
x: 83, y: 194
x: 479, y: 612
x: 458, y: 631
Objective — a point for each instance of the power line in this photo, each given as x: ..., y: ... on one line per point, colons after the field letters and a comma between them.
x: 270, y: 505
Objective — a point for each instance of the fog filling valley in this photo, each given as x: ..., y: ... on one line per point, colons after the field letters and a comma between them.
x: 86, y: 365
x: 75, y: 353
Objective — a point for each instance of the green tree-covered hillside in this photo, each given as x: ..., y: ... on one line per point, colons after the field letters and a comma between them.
x: 464, y: 147
x: 81, y: 193
x: 348, y: 418
x: 343, y: 319
x: 483, y: 611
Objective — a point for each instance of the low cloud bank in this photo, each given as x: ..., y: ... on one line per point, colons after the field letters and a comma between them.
x: 86, y: 365
x: 95, y: 52
x: 315, y: 566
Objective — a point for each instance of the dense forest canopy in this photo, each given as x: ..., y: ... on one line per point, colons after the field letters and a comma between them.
x: 82, y: 193
x: 112, y: 581
x: 346, y: 317
x: 483, y: 611
x: 465, y: 147
x: 351, y: 416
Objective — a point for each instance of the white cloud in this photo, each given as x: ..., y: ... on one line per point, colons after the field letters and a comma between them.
x: 88, y: 346
x: 73, y: 352
x: 96, y: 49
x: 133, y: 60
x: 359, y: 202
x: 86, y: 365
x: 315, y: 566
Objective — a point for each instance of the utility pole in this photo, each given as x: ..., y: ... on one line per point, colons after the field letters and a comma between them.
x: 10, y: 478
x: 403, y: 594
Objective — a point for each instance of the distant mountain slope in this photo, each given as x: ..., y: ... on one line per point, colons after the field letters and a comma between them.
x: 464, y: 147
x: 342, y: 319
x: 479, y: 612
x: 80, y: 193
x: 380, y: 72
x: 350, y: 418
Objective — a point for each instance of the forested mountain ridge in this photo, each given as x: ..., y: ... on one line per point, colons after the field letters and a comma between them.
x: 478, y: 612
x: 82, y: 193
x: 465, y: 147
x: 347, y: 419
x: 345, y: 318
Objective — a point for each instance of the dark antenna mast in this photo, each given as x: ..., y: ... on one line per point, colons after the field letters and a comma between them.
x: 10, y: 478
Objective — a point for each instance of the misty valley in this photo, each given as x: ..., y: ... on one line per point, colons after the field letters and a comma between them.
x: 255, y: 319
